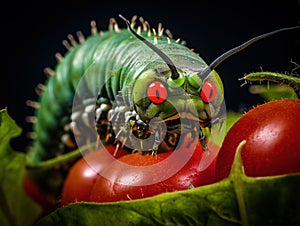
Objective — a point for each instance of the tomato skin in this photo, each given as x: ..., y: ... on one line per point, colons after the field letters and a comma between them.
x: 271, y: 131
x: 112, y: 189
x: 84, y: 172
x: 44, y: 200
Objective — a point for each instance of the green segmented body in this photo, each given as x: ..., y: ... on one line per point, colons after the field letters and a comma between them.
x: 56, y: 100
x: 116, y: 50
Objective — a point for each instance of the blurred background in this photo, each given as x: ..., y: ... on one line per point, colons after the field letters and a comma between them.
x: 33, y: 33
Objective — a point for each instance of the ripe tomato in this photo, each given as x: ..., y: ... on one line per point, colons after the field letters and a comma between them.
x: 136, y: 176
x: 83, y: 173
x: 44, y: 200
x: 271, y: 131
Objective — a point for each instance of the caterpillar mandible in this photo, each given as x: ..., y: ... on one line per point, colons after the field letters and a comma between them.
x: 138, y: 88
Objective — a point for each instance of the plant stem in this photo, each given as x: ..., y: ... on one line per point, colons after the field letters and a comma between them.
x: 60, y: 160
x: 290, y: 80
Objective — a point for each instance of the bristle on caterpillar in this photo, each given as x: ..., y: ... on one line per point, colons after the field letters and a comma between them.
x: 58, y: 56
x: 33, y: 104
x: 80, y: 36
x: 40, y: 88
x: 31, y: 119
x: 49, y: 72
x: 94, y: 29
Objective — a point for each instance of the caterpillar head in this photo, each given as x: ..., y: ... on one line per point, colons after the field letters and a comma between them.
x: 197, y: 96
x: 157, y: 94
x: 176, y: 91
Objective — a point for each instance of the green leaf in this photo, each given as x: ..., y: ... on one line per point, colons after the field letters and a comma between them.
x: 232, y: 118
x: 236, y: 200
x: 15, y: 207
x: 266, y: 200
x: 213, y: 205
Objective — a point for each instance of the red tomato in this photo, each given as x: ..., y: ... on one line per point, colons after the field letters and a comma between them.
x: 38, y: 195
x: 84, y: 172
x: 136, y: 176
x: 271, y: 131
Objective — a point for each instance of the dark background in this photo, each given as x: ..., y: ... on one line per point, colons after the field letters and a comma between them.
x: 31, y: 33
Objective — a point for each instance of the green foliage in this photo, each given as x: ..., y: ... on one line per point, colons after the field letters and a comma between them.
x: 16, y: 209
x: 236, y: 200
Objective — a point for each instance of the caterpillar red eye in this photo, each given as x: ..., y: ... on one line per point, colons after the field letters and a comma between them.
x: 208, y: 92
x: 157, y: 92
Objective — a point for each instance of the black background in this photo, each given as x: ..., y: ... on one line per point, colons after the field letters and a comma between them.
x: 31, y: 33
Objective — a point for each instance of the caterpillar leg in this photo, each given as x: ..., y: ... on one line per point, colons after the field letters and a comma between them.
x: 103, y: 125
x: 123, y: 125
x: 151, y: 135
x: 87, y: 119
x: 117, y: 124
x: 202, y: 139
x: 114, y: 124
x: 133, y: 134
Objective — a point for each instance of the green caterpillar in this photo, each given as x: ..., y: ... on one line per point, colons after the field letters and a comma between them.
x: 136, y: 88
x: 125, y: 67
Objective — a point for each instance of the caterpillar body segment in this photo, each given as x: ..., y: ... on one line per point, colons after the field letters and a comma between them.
x: 56, y: 101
